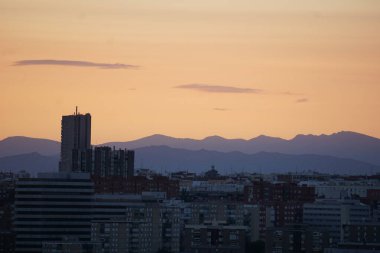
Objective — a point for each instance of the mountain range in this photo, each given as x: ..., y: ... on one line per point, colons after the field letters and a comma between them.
x: 343, y: 152
x: 17, y: 145
x: 343, y: 144
x: 163, y: 158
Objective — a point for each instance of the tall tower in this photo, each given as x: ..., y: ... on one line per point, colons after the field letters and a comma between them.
x: 75, y: 138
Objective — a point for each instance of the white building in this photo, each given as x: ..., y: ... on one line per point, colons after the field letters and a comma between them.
x: 331, y: 215
x: 338, y: 189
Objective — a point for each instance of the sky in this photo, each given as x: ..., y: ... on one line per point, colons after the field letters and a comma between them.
x: 190, y: 68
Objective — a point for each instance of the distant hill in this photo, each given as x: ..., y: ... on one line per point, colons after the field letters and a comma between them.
x: 162, y: 158
x: 31, y: 162
x: 21, y: 145
x: 166, y: 159
x: 343, y: 144
x: 348, y: 145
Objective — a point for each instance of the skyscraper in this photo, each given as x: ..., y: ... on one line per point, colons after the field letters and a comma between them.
x: 75, y: 139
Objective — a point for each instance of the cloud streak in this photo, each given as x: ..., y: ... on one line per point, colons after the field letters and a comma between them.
x: 302, y: 100
x: 217, y: 88
x: 74, y: 64
x: 288, y: 93
x: 220, y: 109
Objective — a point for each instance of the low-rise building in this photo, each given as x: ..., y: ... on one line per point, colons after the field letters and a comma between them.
x: 362, y: 234
x: 297, y: 238
x: 214, y: 237
x: 136, y: 223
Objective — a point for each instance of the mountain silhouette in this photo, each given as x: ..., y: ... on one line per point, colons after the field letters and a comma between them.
x: 16, y: 145
x: 31, y: 162
x: 167, y: 159
x: 343, y: 144
x: 349, y: 145
x: 163, y: 158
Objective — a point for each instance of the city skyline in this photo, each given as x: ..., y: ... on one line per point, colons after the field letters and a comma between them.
x: 190, y: 69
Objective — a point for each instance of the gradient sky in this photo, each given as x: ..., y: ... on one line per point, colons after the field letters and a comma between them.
x: 190, y: 68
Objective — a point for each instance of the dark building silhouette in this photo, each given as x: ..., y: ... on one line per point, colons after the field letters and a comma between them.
x: 82, y: 160
x: 104, y: 162
x: 75, y: 141
x: 7, y: 192
x: 77, y: 154
x: 111, y: 162
x: 111, y: 168
x: 212, y: 173
x: 54, y: 207
x: 7, y: 241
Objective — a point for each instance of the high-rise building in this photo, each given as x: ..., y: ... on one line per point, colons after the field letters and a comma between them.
x: 75, y: 140
x: 55, y: 207
x: 113, y: 162
x: 77, y: 154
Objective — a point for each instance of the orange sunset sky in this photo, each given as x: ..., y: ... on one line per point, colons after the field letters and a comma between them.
x: 190, y: 68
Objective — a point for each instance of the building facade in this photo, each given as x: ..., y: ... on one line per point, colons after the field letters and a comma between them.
x: 296, y: 238
x: 51, y: 208
x: 332, y: 215
x: 214, y: 237
x: 363, y: 234
x: 136, y: 223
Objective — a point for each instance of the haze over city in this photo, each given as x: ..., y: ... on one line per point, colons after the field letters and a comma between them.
x: 237, y: 69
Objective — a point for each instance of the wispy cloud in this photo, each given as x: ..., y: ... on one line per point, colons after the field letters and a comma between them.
x: 74, y: 64
x: 288, y: 93
x: 302, y: 100
x: 220, y: 109
x: 218, y: 88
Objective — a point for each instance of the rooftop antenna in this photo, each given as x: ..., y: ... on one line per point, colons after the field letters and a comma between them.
x: 76, y: 110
